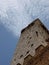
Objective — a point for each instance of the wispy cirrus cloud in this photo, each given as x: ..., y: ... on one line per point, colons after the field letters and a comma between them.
x: 16, y: 14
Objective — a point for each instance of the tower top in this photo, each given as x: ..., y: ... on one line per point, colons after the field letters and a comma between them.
x: 31, y: 24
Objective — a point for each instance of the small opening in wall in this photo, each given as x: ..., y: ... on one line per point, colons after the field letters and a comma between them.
x: 27, y: 52
x: 21, y: 56
x: 30, y: 37
x: 18, y: 64
x: 31, y: 45
x: 37, y: 33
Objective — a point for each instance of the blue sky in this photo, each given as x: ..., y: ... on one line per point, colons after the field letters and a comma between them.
x: 7, y: 45
x: 14, y: 16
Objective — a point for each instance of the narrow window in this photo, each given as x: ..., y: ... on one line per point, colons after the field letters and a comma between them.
x: 21, y: 56
x: 18, y: 64
x: 27, y: 52
x: 31, y: 45
x: 37, y: 33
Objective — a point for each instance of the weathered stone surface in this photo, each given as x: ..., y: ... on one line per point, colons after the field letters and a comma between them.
x: 33, y: 41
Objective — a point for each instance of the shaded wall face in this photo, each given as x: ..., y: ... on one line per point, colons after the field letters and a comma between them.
x: 40, y: 59
x: 32, y: 37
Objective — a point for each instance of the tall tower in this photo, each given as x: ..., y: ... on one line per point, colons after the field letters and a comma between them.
x: 33, y: 39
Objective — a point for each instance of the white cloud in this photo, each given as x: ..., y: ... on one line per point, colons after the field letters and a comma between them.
x: 16, y: 14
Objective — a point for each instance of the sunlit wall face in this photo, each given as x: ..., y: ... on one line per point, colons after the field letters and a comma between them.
x: 16, y: 14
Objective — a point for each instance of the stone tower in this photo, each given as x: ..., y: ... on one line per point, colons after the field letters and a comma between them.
x: 33, y: 41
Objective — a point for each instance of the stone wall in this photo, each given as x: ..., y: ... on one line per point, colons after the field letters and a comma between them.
x: 33, y: 36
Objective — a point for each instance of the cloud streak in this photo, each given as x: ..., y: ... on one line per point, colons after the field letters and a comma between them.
x: 17, y: 14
